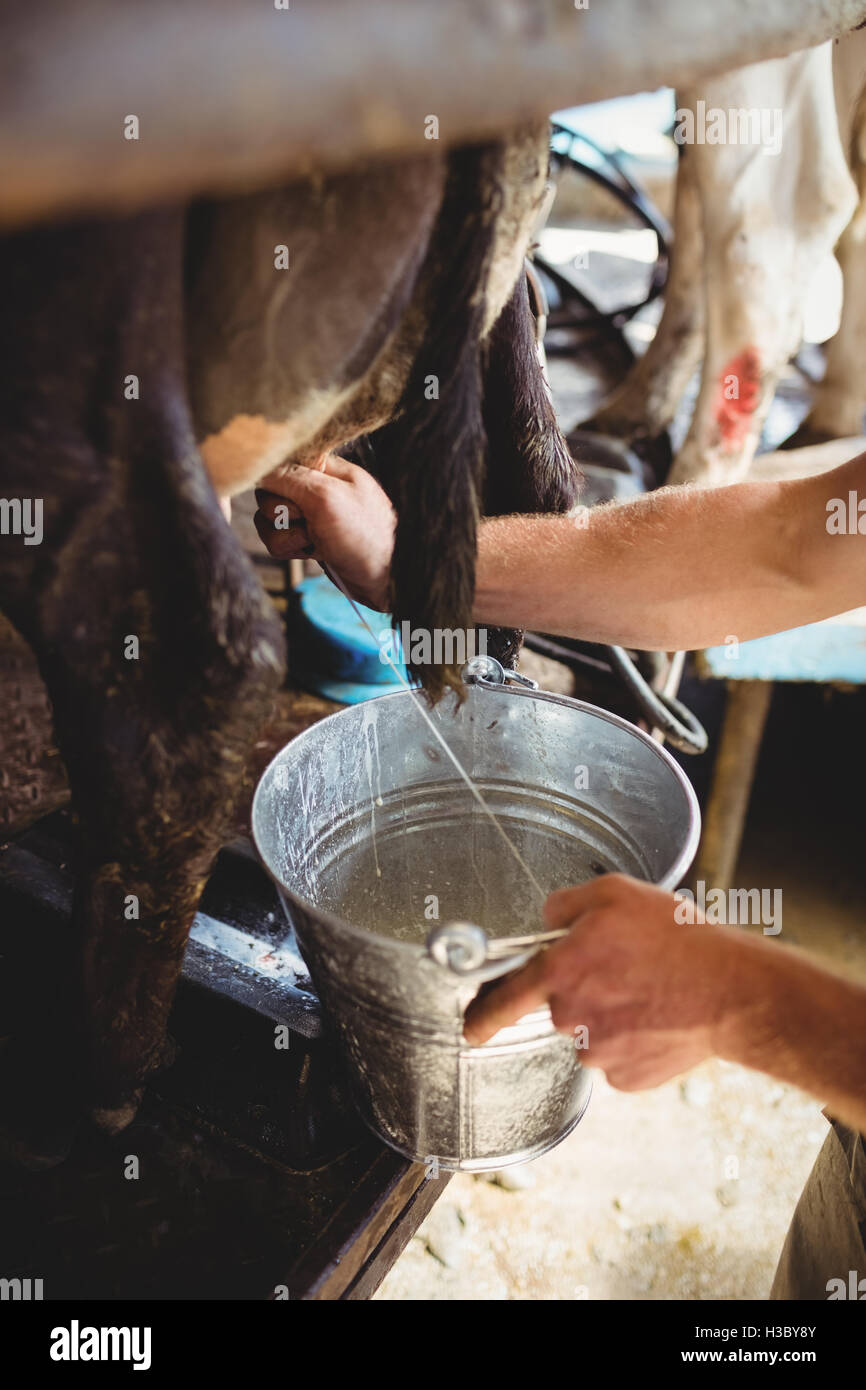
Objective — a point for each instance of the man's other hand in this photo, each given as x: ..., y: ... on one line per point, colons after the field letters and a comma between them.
x: 641, y: 993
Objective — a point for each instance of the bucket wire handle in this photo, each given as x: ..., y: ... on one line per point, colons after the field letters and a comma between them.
x: 463, y: 947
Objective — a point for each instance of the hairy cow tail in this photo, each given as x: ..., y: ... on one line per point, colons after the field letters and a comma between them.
x: 431, y: 457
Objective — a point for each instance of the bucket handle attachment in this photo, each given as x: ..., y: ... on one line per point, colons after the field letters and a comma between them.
x: 463, y: 948
x: 486, y: 670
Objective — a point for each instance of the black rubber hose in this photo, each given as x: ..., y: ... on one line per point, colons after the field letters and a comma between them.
x: 664, y: 712
x: 678, y: 724
x: 628, y: 193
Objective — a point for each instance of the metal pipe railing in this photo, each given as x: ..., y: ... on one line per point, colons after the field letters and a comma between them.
x: 230, y: 93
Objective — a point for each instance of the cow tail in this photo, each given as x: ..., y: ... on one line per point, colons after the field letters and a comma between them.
x: 431, y: 457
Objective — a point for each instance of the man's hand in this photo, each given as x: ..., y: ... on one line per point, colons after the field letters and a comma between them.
x: 649, y: 991
x: 337, y: 515
x: 656, y: 996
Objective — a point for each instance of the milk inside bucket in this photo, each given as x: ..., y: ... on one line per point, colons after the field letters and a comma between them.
x: 406, y: 900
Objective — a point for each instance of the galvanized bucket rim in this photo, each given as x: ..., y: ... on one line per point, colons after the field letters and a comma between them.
x: 407, y: 948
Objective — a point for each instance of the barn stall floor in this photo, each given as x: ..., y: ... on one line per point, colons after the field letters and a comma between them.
x: 641, y: 1202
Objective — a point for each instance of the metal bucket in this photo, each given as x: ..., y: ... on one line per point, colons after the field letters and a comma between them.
x: 388, y: 868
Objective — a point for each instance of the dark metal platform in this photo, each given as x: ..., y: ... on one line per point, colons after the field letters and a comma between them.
x: 255, y: 1177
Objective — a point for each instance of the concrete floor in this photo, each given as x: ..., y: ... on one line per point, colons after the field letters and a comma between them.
x: 636, y: 1204
x: 684, y: 1192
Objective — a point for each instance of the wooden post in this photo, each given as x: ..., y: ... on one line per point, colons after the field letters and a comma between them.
x: 748, y: 705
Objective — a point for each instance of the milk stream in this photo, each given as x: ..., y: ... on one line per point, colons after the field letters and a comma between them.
x: 418, y: 700
x: 371, y: 737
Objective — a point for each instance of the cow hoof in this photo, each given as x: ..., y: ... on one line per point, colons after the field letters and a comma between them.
x: 111, y: 1120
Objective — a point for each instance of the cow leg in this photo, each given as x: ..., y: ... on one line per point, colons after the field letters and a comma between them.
x: 768, y: 219
x: 155, y: 641
x: 839, y: 401
x: 644, y: 404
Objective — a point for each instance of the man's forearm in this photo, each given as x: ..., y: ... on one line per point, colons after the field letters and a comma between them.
x: 677, y: 569
x: 796, y: 1021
